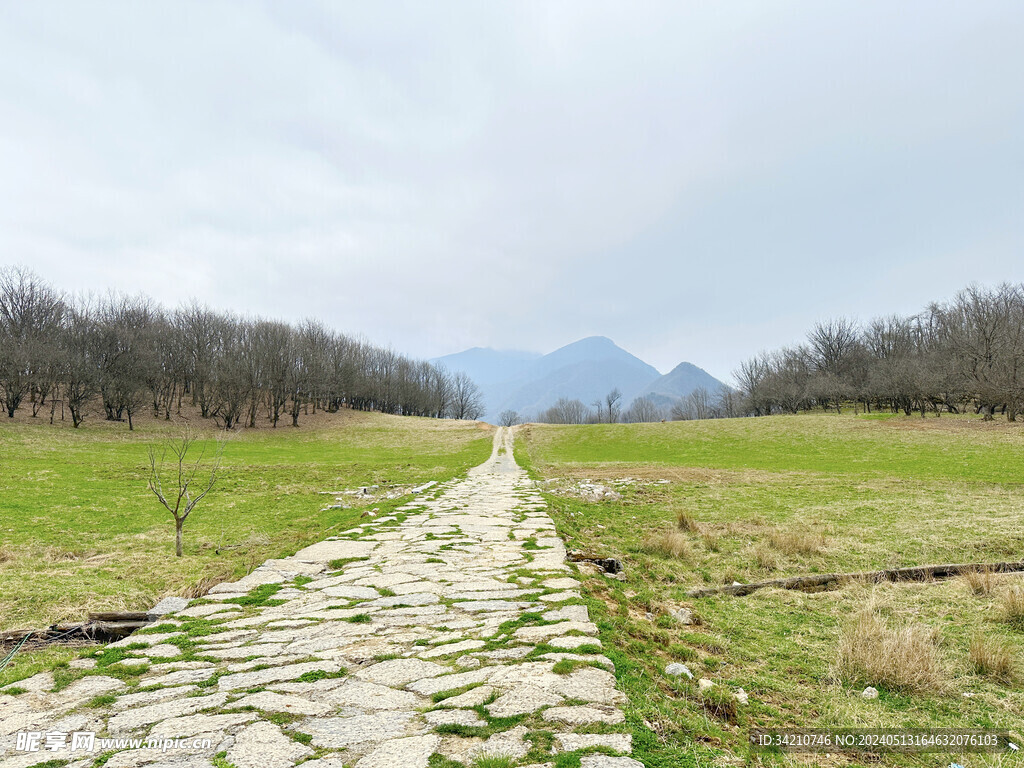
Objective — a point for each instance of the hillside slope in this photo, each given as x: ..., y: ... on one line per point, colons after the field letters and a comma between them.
x: 679, y: 382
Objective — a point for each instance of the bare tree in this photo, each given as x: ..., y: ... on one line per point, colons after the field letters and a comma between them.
x: 509, y: 418
x: 30, y: 318
x: 79, y: 372
x: 700, y: 402
x: 643, y: 409
x: 607, y: 411
x: 227, y: 388
x: 565, y: 411
x: 188, y: 480
x: 466, y: 400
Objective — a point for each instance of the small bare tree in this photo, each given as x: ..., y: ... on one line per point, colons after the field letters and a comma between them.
x: 644, y: 409
x: 612, y: 406
x: 509, y: 418
x: 188, y: 481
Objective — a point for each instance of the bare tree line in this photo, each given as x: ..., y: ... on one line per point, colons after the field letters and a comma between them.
x: 699, y: 404
x: 963, y: 355
x: 126, y: 354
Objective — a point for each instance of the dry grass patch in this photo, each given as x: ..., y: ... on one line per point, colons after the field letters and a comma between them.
x: 797, y: 542
x: 767, y: 559
x: 993, y: 657
x: 1013, y: 607
x: 205, y: 584
x: 712, y: 540
x: 60, y: 555
x: 685, y: 522
x: 668, y: 543
x: 902, y: 658
x: 981, y: 582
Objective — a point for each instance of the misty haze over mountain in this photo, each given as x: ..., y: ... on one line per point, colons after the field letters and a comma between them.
x: 529, y: 383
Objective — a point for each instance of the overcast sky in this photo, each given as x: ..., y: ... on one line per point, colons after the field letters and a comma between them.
x: 697, y: 181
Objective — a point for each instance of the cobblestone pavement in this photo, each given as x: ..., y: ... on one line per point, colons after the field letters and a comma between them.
x: 451, y: 628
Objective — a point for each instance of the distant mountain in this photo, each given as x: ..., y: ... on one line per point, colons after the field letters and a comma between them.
x: 586, y: 370
x: 488, y: 366
x: 679, y: 382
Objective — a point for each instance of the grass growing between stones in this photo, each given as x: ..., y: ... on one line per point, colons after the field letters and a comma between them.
x: 755, y: 499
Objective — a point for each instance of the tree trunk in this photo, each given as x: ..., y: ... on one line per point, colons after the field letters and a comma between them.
x: 178, y: 525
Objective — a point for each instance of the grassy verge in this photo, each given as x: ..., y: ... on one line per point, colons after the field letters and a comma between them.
x: 753, y: 499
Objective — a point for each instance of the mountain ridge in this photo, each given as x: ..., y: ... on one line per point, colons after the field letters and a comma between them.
x: 586, y: 369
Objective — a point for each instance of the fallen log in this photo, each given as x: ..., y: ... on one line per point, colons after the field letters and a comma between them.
x: 100, y: 627
x: 820, y: 582
x: 119, y: 616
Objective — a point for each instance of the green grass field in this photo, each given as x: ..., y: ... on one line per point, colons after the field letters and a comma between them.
x: 781, y: 496
x: 81, y: 532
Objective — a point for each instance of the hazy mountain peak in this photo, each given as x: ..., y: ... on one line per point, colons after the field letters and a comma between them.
x: 586, y: 369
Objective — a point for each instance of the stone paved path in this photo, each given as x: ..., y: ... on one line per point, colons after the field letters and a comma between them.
x: 452, y: 627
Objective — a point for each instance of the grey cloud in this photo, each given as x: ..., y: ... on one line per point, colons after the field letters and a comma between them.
x: 694, y: 180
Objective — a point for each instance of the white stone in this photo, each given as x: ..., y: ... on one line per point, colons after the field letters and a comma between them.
x: 192, y: 725
x: 199, y: 611
x: 410, y: 752
x: 268, y: 701
x: 570, y: 612
x: 137, y: 639
x: 328, y: 762
x: 325, y: 551
x: 544, y: 632
x: 454, y: 717
x: 676, y: 669
x: 371, y: 696
x: 505, y: 744
x: 450, y: 648
x: 684, y: 616
x: 168, y: 605
x: 560, y: 597
x: 521, y: 700
x: 262, y: 745
x: 605, y: 761
x: 471, y: 698
x: 350, y: 592
x: 181, y: 677
x: 163, y: 651
x: 342, y: 732
x: 134, y: 700
x: 574, y: 641
x: 273, y: 675
x: 431, y: 686
x: 584, y: 715
x: 154, y: 713
x: 398, y: 672
x: 570, y: 742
